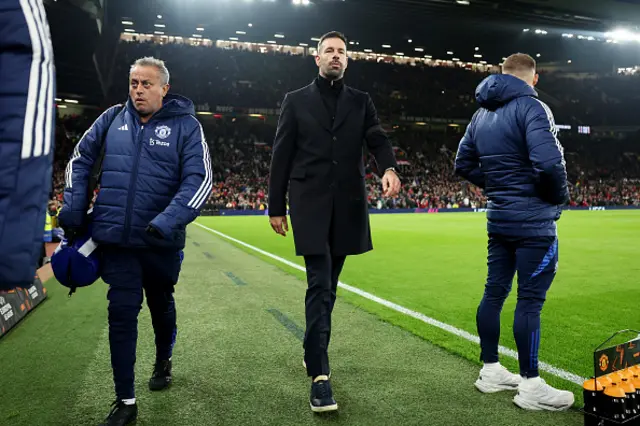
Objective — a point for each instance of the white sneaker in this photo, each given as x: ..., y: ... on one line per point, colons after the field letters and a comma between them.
x: 495, y: 378
x: 536, y: 394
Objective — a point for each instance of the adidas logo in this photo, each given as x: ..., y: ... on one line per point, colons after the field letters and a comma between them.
x: 125, y: 127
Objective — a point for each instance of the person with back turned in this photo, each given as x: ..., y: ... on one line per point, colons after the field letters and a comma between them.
x: 511, y: 150
x: 318, y: 151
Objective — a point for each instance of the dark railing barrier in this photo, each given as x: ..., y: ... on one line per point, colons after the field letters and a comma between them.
x: 210, y: 211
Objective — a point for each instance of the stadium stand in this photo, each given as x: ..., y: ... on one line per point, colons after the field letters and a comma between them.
x: 243, y: 78
x: 604, y: 169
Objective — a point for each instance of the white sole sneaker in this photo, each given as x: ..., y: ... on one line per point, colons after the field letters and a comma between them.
x: 485, y: 387
x: 497, y: 379
x: 323, y: 409
x: 538, y: 406
x: 536, y: 394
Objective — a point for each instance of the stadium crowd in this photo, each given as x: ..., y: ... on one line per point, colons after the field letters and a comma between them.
x: 594, y: 100
x: 602, y: 172
x: 245, y: 79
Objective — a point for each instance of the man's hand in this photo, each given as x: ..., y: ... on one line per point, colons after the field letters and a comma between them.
x: 279, y: 225
x: 72, y: 234
x: 390, y: 184
x: 153, y: 232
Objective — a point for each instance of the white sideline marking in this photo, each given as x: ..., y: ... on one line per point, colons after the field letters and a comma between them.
x: 543, y: 366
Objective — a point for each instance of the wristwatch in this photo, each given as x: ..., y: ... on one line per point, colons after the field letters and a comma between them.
x: 393, y: 169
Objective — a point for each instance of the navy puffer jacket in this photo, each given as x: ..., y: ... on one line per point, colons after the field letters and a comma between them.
x: 157, y: 174
x: 511, y: 150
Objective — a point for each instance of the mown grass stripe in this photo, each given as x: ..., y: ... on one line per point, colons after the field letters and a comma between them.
x: 235, y: 279
x: 294, y: 328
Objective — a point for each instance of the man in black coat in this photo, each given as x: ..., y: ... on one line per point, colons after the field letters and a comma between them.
x: 318, y: 154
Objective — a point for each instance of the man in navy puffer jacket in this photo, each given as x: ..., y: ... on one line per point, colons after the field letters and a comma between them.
x: 156, y: 175
x: 511, y: 150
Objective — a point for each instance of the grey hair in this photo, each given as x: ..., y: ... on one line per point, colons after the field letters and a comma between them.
x: 149, y: 61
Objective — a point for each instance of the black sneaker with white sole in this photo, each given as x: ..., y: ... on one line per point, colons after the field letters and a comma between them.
x: 161, y: 377
x: 321, y: 399
x: 121, y: 414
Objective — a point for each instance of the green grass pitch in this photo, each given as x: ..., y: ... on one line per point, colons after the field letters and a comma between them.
x: 238, y: 356
x: 436, y: 265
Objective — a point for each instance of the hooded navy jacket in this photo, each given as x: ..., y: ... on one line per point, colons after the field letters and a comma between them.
x: 157, y: 174
x: 511, y: 150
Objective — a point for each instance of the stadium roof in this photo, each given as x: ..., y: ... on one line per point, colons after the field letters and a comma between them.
x: 554, y: 31
x: 497, y: 27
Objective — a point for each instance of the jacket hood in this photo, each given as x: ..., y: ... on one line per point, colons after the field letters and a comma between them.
x: 172, y: 105
x: 500, y: 89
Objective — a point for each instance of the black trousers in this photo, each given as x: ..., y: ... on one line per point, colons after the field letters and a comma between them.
x: 323, y: 272
x: 128, y: 272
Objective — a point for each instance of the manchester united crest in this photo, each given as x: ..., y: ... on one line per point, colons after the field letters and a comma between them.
x: 604, y: 362
x: 163, y: 132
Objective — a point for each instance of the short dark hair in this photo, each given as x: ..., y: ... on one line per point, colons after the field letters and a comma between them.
x: 331, y: 34
x: 519, y: 62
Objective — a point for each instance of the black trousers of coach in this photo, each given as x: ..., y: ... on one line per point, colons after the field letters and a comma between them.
x: 323, y: 272
x: 129, y: 272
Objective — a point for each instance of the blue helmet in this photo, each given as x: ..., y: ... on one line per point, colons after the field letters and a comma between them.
x: 76, y: 264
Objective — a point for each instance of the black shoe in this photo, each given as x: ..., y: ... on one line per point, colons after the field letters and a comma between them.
x: 161, y: 377
x: 121, y: 414
x: 321, y: 399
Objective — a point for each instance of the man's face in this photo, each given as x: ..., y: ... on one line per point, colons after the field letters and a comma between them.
x: 332, y: 58
x: 146, y: 90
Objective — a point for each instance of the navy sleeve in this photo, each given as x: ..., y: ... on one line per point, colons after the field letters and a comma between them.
x: 467, y: 161
x: 284, y: 148
x: 546, y: 153
x: 78, y: 171
x: 196, y: 183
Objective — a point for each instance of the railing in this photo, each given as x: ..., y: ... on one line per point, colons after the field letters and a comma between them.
x: 210, y: 211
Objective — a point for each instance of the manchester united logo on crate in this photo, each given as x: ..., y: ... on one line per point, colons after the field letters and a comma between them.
x: 604, y: 362
x: 612, y: 395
